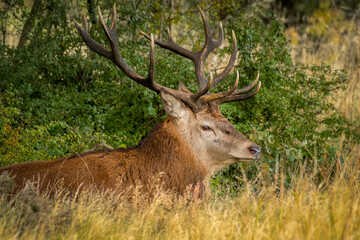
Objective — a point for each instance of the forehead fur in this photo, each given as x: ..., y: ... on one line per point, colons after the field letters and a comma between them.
x: 221, y: 123
x: 213, y: 109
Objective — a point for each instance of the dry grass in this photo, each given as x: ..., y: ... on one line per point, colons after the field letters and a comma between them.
x: 332, y: 39
x: 302, y: 211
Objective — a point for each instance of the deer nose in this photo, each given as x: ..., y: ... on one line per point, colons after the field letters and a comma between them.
x: 255, y: 150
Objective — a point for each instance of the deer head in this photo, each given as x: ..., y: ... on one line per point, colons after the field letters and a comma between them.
x: 196, y: 116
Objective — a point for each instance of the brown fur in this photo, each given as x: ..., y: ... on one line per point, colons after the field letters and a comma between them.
x: 162, y: 152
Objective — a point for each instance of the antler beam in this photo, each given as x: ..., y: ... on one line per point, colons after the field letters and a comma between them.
x: 114, y: 55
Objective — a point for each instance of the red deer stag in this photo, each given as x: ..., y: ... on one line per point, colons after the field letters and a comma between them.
x: 191, y: 144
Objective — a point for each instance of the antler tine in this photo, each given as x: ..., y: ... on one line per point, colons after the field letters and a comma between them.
x: 170, y: 45
x: 208, y: 38
x: 113, y: 19
x: 236, y: 97
x: 84, y: 23
x: 91, y: 43
x: 151, y: 73
x: 208, y: 47
x: 230, y: 64
x: 110, y: 33
x: 221, y: 34
x: 200, y: 93
x: 182, y: 88
x: 216, y: 96
x: 114, y: 55
x: 247, y: 88
x: 206, y: 27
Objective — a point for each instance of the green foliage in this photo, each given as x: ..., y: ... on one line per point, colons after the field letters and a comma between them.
x: 292, y: 117
x: 58, y: 98
x: 22, y: 141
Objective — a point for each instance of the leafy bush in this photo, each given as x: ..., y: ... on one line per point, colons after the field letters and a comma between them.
x: 59, y: 98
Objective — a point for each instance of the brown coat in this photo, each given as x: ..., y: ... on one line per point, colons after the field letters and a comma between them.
x: 162, y: 154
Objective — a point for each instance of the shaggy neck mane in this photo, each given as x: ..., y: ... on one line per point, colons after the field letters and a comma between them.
x: 166, y: 151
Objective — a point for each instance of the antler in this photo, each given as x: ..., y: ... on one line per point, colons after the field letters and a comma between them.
x: 196, y: 101
x: 114, y: 54
x: 236, y: 95
x: 115, y: 57
x: 199, y: 59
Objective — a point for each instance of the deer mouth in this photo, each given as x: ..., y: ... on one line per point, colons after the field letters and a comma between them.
x: 253, y: 154
x: 241, y: 159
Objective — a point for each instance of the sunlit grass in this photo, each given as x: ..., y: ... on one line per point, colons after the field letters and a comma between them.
x: 263, y: 210
x: 332, y: 39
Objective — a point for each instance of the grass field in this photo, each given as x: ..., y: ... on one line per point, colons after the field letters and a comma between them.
x: 264, y: 210
x: 333, y: 40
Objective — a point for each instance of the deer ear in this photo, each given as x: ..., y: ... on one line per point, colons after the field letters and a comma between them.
x: 174, y: 106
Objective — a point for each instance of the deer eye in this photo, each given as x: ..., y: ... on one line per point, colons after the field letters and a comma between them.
x: 206, y: 128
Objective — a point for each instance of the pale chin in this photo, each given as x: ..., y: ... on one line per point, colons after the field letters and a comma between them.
x: 247, y: 160
x: 237, y: 159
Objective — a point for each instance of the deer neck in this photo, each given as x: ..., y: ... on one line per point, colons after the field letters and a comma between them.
x: 167, y: 147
